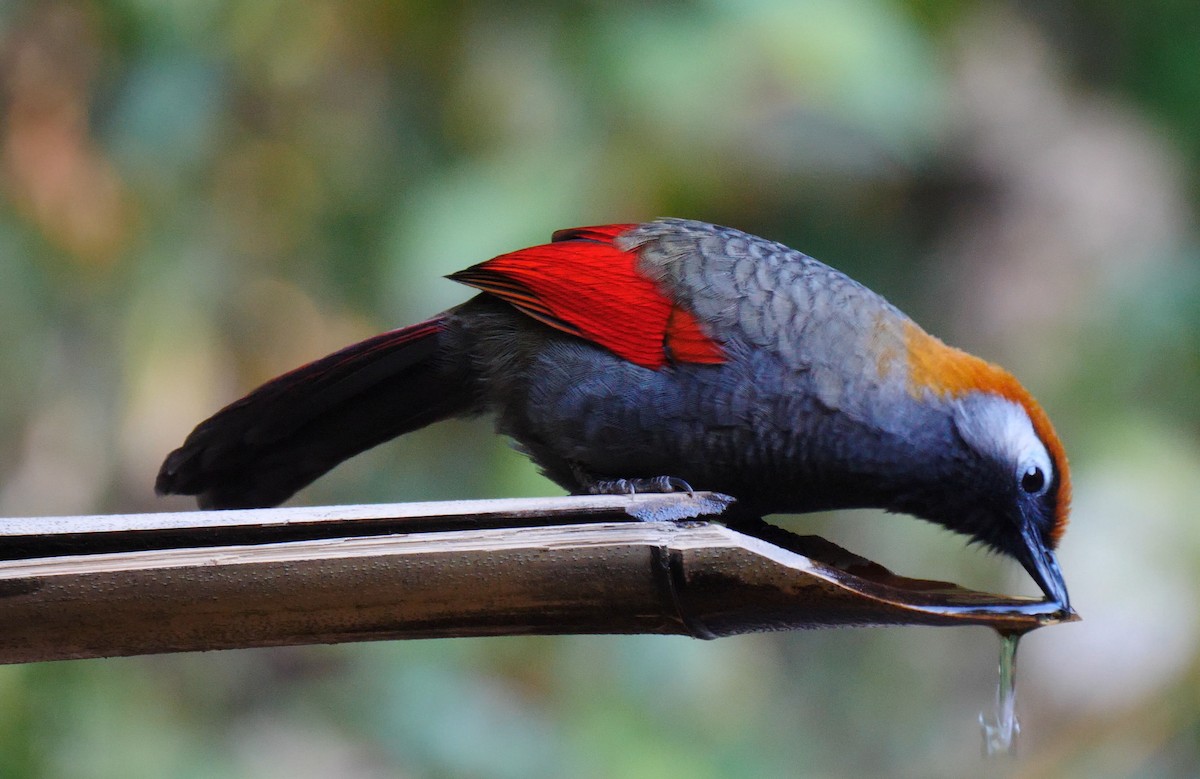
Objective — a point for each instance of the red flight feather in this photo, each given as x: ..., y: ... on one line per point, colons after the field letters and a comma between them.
x: 584, y: 285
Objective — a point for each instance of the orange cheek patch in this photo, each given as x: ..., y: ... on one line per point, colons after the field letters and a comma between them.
x: 948, y: 372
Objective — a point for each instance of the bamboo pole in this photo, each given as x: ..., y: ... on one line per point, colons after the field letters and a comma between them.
x: 74, y: 587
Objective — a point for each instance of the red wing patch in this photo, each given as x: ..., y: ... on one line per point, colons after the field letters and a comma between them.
x: 583, y: 285
x: 599, y: 233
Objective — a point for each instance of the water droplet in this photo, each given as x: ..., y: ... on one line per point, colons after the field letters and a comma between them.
x: 1000, y: 727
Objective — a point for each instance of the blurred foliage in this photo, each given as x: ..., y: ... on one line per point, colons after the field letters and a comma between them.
x: 195, y: 196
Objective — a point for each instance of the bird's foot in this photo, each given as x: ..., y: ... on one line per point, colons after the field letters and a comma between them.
x: 654, y: 484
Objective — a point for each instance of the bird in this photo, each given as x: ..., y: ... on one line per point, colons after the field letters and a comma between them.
x: 670, y: 355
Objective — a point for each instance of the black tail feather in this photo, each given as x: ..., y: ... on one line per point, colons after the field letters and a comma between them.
x: 260, y: 450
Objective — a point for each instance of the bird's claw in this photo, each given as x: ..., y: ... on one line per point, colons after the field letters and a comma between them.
x: 652, y: 484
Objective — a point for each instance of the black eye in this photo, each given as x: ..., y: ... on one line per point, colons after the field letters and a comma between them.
x: 1033, y: 480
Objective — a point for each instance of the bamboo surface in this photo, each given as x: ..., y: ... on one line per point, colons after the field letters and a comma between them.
x: 75, y: 587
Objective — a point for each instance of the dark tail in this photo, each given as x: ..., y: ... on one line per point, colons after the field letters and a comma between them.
x: 260, y: 450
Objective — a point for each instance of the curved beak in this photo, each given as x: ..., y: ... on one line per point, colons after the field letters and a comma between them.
x: 1042, y: 564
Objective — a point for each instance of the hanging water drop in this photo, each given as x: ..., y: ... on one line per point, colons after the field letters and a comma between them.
x: 1000, y: 727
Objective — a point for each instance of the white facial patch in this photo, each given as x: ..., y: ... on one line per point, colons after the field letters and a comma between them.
x: 999, y: 427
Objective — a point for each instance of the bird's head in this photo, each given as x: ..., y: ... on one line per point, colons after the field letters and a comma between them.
x: 1019, y: 483
x: 1015, y: 490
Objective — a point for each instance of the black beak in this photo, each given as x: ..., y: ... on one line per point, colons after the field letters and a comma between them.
x: 1042, y: 565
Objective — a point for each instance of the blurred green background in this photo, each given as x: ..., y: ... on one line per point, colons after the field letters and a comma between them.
x: 195, y: 196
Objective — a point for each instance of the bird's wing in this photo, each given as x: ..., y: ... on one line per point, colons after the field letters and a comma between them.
x: 778, y: 300
x: 583, y: 284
